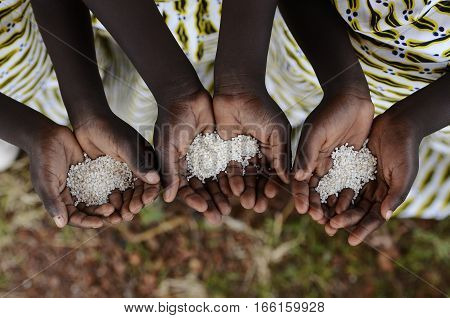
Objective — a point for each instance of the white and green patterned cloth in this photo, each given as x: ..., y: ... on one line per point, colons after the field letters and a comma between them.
x: 403, y: 46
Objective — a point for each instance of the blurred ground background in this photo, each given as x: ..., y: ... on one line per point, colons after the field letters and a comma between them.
x: 169, y: 251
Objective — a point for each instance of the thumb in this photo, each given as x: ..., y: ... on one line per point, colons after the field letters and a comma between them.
x: 281, y: 152
x: 143, y: 163
x: 391, y: 203
x: 53, y: 203
x: 170, y: 173
x: 307, y: 153
x: 168, y: 159
x: 399, y: 187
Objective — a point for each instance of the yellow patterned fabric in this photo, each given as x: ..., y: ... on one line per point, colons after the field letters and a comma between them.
x: 403, y: 46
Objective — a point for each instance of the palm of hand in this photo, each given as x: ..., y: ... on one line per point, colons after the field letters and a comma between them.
x: 175, y: 129
x: 113, y: 137
x: 338, y: 120
x: 396, y: 148
x: 259, y: 116
x: 50, y: 163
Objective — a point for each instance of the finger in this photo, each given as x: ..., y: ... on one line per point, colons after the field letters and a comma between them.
x: 235, y: 179
x: 280, y: 142
x: 220, y: 200
x: 52, y: 199
x: 142, y: 160
x: 323, y: 166
x: 136, y: 203
x: 324, y: 220
x: 307, y: 153
x: 330, y: 206
x: 116, y: 200
x: 351, y: 217
x: 212, y: 213
x: 399, y: 184
x: 114, y: 218
x: 332, y: 200
x: 328, y: 211
x: 272, y: 187
x: 262, y: 201
x: 396, y: 195
x: 371, y: 222
x: 96, y: 210
x: 192, y: 199
x: 315, y: 206
x: 248, y: 197
x: 344, y: 200
x: 125, y: 212
x: 331, y: 231
x: 82, y: 220
x: 103, y: 210
x: 224, y: 185
x: 151, y: 192
x: 212, y: 216
x: 300, y: 190
x: 170, y: 173
x: 348, y: 218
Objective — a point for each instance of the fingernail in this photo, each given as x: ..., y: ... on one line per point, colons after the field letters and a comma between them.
x: 298, y: 175
x: 59, y: 220
x: 302, y: 175
x: 388, y: 214
x: 152, y: 177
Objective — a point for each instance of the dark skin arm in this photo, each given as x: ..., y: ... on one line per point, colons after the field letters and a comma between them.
x: 242, y: 104
x: 184, y: 106
x: 52, y: 149
x: 345, y: 113
x: 66, y: 29
x: 142, y: 33
x: 394, y: 139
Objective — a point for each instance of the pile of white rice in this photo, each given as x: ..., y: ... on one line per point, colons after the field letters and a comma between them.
x: 351, y: 170
x: 92, y: 181
x: 209, y: 154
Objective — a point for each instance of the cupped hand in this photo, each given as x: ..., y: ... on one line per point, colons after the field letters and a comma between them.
x: 395, y: 143
x: 179, y: 122
x: 343, y: 117
x: 52, y: 153
x: 253, y: 112
x: 109, y: 135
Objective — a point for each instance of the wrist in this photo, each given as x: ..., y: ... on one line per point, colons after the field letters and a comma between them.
x: 41, y: 131
x: 397, y: 122
x: 178, y: 89
x: 350, y: 81
x: 87, y: 110
x: 236, y: 83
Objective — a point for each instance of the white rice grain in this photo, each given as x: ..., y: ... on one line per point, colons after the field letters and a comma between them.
x: 92, y: 181
x: 351, y: 170
x: 208, y: 155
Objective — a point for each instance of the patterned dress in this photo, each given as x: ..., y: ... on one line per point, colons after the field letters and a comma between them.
x: 402, y: 45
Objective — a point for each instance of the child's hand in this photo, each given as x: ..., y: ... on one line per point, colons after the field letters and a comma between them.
x: 396, y: 145
x: 344, y: 117
x: 52, y: 153
x: 178, y: 123
x: 109, y: 135
x: 253, y: 112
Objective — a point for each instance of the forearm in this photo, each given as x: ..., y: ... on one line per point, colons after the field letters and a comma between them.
x: 142, y: 33
x: 427, y: 110
x: 244, y: 38
x: 66, y: 28
x: 19, y: 124
x: 324, y: 39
